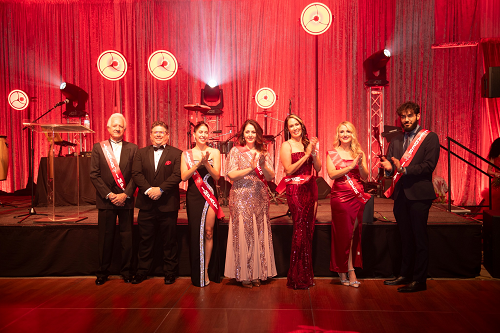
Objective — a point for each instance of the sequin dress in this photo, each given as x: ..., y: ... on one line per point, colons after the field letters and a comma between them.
x: 301, y: 202
x: 345, y: 210
x: 197, y: 208
x: 250, y: 253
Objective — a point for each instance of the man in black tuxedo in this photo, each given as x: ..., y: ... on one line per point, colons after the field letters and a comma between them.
x: 413, y: 195
x: 157, y: 173
x: 114, y: 196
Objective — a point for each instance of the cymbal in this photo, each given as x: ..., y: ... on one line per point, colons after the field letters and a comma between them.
x: 268, y: 137
x: 197, y: 107
x: 217, y: 132
x: 230, y: 125
x: 264, y: 112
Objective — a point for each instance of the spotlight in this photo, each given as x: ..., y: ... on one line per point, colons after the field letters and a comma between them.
x: 18, y: 100
x: 212, y: 95
x: 112, y: 65
x: 212, y: 83
x: 162, y: 65
x: 316, y: 18
x: 77, y: 98
x: 375, y: 69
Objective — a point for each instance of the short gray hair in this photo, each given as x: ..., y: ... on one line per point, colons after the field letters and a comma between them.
x: 119, y: 115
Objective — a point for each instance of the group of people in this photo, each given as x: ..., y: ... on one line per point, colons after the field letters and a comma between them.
x: 119, y: 167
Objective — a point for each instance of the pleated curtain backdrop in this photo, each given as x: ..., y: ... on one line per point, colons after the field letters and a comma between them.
x: 246, y: 45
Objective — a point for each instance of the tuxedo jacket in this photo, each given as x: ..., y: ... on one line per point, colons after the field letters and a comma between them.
x: 417, y: 183
x: 167, y: 177
x: 103, y: 180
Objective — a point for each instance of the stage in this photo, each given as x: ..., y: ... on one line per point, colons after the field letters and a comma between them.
x: 33, y: 249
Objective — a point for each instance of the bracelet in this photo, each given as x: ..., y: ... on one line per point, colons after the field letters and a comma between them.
x: 314, y: 153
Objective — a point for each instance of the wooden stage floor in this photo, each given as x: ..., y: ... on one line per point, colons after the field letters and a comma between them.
x: 76, y: 304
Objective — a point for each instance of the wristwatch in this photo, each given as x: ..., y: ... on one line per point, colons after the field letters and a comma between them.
x: 402, y: 170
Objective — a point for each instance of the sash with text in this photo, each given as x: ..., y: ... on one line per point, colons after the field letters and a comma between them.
x: 113, y: 164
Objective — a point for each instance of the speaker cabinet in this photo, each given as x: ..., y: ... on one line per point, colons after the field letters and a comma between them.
x: 323, y: 188
x: 490, y: 87
x: 491, y: 242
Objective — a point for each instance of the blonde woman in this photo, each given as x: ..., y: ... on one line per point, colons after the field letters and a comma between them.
x: 346, y: 165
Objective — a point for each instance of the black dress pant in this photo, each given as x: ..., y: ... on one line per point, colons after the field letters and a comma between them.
x: 411, y: 216
x: 150, y: 222
x: 106, y: 220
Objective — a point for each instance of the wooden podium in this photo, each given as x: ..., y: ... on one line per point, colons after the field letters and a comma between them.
x: 52, y: 131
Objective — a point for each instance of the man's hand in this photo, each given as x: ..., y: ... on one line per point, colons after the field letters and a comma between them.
x: 384, y: 163
x: 154, y: 193
x: 396, y: 162
x: 118, y: 199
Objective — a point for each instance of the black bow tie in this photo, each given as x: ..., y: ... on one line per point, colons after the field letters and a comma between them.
x: 158, y: 148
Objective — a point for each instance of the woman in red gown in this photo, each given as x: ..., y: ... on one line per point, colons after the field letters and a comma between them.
x: 346, y: 161
x: 298, y: 155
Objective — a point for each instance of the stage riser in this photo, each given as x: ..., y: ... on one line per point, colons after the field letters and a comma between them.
x: 455, y: 250
x: 491, y: 242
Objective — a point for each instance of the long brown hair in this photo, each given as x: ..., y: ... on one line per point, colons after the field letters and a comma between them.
x: 259, y: 140
x: 305, y: 137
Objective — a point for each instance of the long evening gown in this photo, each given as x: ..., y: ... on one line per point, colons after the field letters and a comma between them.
x: 301, y: 202
x: 197, y: 208
x: 345, y: 210
x: 250, y: 253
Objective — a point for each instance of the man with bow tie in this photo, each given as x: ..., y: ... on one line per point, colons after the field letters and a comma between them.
x: 157, y: 172
x: 111, y: 175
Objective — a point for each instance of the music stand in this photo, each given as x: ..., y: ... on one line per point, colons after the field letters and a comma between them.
x: 51, y: 130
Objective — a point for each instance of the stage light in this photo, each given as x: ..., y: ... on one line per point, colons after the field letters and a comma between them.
x: 112, y: 65
x: 212, y: 95
x: 316, y: 18
x: 375, y: 68
x: 77, y: 98
x: 162, y: 65
x: 18, y: 99
x: 212, y: 83
x: 265, y: 98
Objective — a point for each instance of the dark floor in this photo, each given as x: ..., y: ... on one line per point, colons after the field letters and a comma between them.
x: 77, y: 305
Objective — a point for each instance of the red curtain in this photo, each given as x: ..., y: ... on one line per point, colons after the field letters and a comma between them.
x: 246, y: 45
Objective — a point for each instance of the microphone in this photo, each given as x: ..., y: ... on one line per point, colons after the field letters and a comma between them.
x: 290, y: 107
x: 66, y: 101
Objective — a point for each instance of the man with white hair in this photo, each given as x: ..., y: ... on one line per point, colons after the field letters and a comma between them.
x: 111, y: 175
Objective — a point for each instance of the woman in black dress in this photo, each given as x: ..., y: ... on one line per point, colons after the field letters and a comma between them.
x: 201, y: 167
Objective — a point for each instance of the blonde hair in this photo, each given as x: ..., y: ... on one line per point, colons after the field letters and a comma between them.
x: 355, y: 146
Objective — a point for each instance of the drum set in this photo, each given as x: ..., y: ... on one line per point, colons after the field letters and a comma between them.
x: 224, y: 142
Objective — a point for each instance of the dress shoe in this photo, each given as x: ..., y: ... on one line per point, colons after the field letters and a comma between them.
x: 413, y: 287
x: 397, y: 281
x: 138, y: 278
x: 100, y: 280
x: 169, y: 279
x: 127, y: 279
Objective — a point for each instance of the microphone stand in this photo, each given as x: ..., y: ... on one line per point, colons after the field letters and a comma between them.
x: 31, y: 157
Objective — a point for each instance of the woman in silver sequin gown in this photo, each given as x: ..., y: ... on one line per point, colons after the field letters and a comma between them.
x: 202, y: 220
x: 250, y: 253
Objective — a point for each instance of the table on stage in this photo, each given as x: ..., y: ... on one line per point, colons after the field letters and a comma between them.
x: 66, y: 189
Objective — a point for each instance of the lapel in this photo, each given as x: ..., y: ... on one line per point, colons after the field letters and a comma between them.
x: 163, y: 159
x: 124, y: 156
x: 151, y: 155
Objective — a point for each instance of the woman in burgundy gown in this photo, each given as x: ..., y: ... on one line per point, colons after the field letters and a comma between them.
x: 347, y: 162
x: 298, y: 155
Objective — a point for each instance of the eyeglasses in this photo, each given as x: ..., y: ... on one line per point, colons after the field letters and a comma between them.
x: 159, y: 133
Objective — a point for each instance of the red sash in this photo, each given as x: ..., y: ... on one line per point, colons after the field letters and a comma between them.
x: 202, y: 187
x: 407, y: 157
x: 361, y: 196
x: 301, y: 179
x: 113, y: 164
x: 258, y: 169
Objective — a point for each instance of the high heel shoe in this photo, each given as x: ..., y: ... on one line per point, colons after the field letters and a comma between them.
x: 345, y: 281
x: 246, y: 284
x: 256, y: 283
x: 354, y: 283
